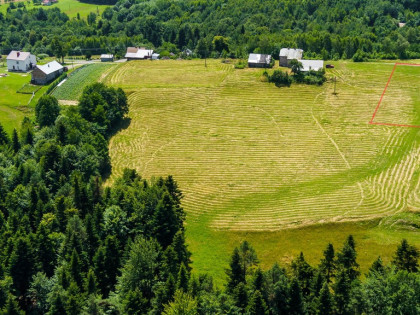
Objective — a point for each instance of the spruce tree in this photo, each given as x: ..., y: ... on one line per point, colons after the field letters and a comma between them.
x: 90, y: 283
x: 406, y: 257
x: 75, y: 270
x: 235, y: 273
x: 4, y: 138
x: 183, y: 279
x: 257, y: 305
x: 296, y: 306
x: 304, y: 273
x: 328, y: 265
x: 21, y: 266
x: 325, y: 301
x: 347, y: 259
x: 12, y: 307
x: 165, y: 221
x: 240, y: 296
x: 15, y: 141
x: 45, y: 253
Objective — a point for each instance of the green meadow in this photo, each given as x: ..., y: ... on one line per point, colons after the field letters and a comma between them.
x: 288, y: 169
x: 14, y: 106
x: 70, y: 7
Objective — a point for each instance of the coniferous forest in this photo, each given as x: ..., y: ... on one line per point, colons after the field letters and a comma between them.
x: 70, y: 245
x: 328, y: 29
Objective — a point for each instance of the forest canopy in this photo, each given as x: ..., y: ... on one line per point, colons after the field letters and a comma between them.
x: 329, y: 29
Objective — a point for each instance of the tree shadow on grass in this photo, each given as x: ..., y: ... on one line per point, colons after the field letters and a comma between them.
x: 121, y: 125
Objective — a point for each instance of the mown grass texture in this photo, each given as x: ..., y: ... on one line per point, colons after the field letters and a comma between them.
x: 283, y: 168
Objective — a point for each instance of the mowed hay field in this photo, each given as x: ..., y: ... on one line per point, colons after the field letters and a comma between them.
x: 288, y: 169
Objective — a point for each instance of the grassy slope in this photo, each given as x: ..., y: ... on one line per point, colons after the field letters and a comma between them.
x: 70, y: 7
x: 14, y: 106
x: 253, y: 160
x: 73, y: 87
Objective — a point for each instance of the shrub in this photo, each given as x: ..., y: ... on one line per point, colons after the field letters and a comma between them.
x: 240, y: 64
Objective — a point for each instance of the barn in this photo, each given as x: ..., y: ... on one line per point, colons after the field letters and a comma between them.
x: 46, y: 73
x: 20, y: 61
x: 259, y: 61
x: 288, y: 54
x: 135, y: 53
x: 315, y: 65
x: 107, y: 58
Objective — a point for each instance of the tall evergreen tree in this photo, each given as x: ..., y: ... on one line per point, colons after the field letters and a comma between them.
x: 15, y: 141
x: 235, y: 273
x: 4, y: 138
x: 406, y: 257
x: 325, y: 301
x: 21, y: 266
x: 296, y: 306
x: 328, y: 265
x: 346, y: 259
x: 257, y: 305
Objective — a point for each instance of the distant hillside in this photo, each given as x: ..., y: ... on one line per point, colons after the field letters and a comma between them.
x: 328, y: 29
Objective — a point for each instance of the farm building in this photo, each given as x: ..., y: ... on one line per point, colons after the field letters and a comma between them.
x: 135, y: 53
x: 107, y: 57
x: 259, y: 61
x: 312, y: 65
x: 20, y: 61
x: 288, y: 54
x: 155, y: 56
x: 46, y: 73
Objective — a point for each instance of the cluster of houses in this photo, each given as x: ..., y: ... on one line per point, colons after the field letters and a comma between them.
x: 285, y: 57
x: 20, y: 61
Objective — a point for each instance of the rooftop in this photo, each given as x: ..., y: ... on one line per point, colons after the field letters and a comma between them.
x: 50, y: 67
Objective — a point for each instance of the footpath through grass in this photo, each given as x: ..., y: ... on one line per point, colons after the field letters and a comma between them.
x: 288, y: 169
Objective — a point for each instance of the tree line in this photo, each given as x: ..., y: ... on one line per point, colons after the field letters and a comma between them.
x: 70, y: 245
x: 328, y: 29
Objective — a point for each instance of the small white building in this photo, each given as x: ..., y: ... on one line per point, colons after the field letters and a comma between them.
x: 134, y: 53
x: 155, y: 56
x: 107, y: 58
x: 20, y: 61
x: 314, y: 65
x: 259, y: 61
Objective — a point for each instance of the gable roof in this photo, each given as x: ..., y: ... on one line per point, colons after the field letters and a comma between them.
x: 50, y: 67
x: 259, y: 58
x: 138, y: 53
x: 107, y: 56
x: 18, y: 55
x: 291, y: 53
x: 312, y: 65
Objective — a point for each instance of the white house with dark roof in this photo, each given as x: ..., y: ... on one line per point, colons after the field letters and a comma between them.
x: 20, y: 61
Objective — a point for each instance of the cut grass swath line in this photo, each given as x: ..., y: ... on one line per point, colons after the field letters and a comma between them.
x: 371, y: 122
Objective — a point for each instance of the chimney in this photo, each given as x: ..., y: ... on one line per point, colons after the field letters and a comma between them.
x: 18, y: 53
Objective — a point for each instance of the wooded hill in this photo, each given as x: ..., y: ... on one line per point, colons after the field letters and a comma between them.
x: 323, y: 28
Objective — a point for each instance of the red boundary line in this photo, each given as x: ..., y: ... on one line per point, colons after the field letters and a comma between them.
x: 382, y: 96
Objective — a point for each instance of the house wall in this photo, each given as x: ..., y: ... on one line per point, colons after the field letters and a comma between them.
x: 258, y: 65
x: 39, y: 77
x: 21, y: 65
x: 283, y: 61
x: 18, y: 65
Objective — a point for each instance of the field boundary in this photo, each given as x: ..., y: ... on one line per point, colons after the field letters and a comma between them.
x: 371, y: 122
